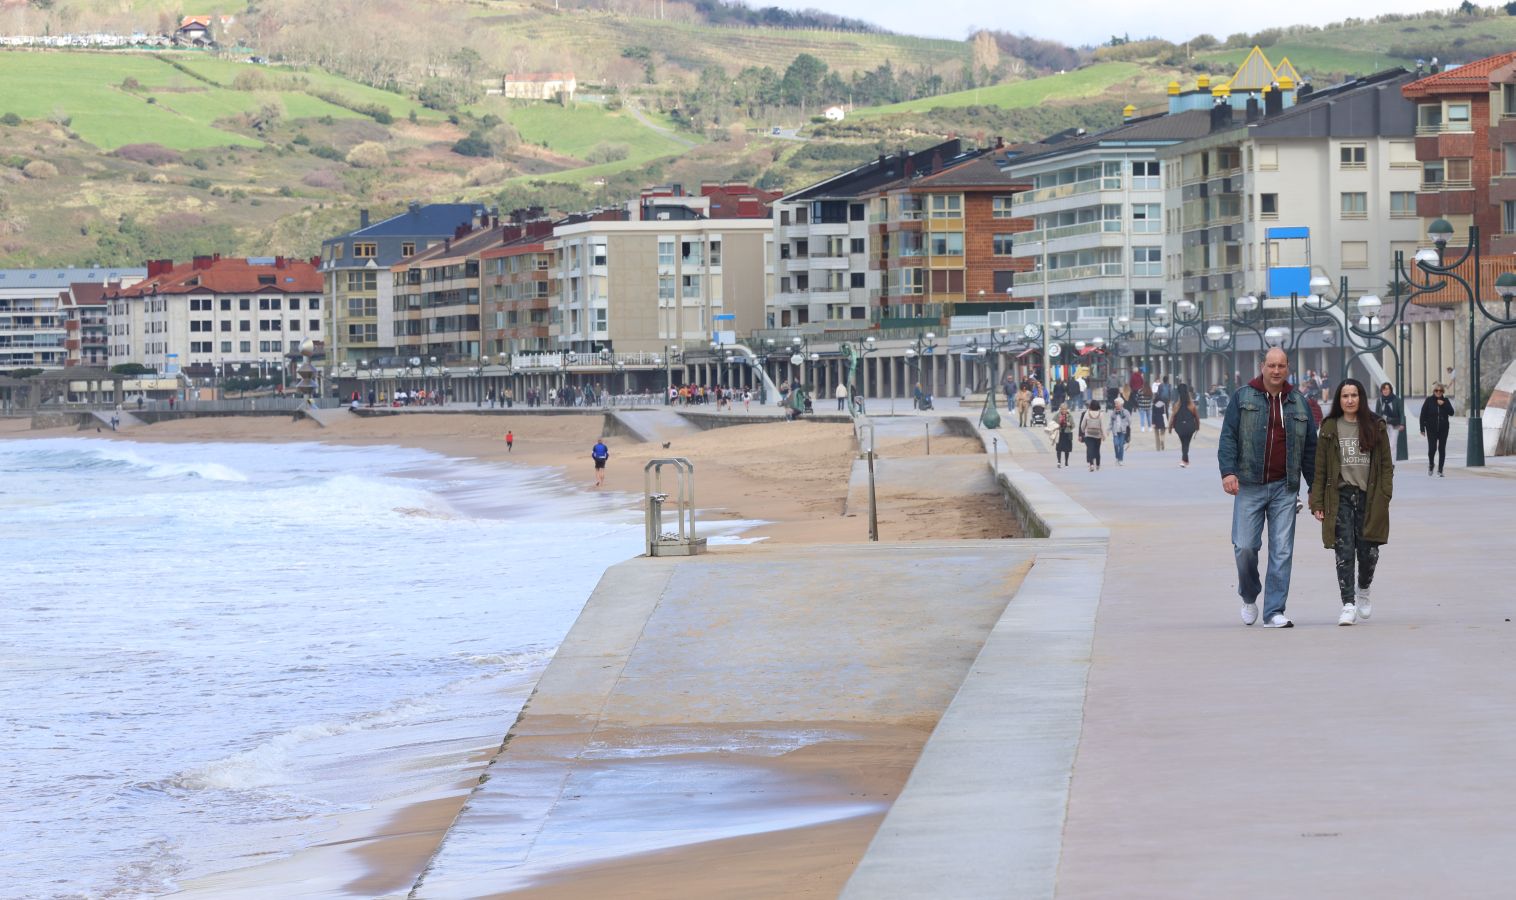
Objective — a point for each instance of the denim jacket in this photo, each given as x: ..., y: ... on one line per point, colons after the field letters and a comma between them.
x: 1244, y: 433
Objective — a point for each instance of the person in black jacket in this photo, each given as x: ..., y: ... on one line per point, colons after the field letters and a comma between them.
x: 1389, y: 407
x: 1434, y: 427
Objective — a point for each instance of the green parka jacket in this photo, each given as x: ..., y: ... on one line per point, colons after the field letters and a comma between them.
x: 1376, y: 524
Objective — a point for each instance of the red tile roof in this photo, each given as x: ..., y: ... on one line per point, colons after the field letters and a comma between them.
x: 227, y: 276
x: 1470, y: 78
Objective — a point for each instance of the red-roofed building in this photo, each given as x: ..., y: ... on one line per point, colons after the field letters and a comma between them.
x: 216, y: 314
x: 1466, y: 144
x: 86, y: 326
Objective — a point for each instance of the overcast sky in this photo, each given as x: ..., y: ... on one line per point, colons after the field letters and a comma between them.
x: 1080, y: 22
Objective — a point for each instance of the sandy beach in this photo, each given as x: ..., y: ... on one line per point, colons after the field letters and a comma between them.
x: 794, y: 477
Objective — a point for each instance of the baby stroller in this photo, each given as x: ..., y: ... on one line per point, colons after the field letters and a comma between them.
x: 925, y: 402
x: 1039, y: 411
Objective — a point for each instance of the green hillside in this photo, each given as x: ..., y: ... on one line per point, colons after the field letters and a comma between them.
x: 1142, y: 81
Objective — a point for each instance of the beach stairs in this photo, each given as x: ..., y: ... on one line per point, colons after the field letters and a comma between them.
x: 322, y: 417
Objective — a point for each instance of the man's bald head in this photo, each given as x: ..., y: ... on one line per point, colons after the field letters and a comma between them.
x: 1276, y: 370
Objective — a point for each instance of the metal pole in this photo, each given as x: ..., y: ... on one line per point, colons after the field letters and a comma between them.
x: 928, y: 438
x: 873, y: 502
x: 1475, y: 455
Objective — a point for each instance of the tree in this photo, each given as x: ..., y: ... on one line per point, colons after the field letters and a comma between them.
x: 1467, y: 8
x: 1510, y: 8
x: 131, y: 369
x: 801, y: 85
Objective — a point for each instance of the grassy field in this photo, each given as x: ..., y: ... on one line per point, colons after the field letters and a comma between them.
x: 1091, y: 81
x: 594, y: 34
x: 1312, y: 61
x: 577, y: 130
x: 87, y: 88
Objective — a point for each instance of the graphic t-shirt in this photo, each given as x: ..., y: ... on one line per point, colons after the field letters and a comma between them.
x: 1355, y: 462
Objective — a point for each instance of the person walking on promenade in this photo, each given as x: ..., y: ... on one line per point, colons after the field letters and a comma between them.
x: 1184, y: 421
x: 1023, y: 405
x: 1145, y: 407
x: 1061, y: 424
x: 510, y: 440
x: 1060, y: 394
x: 1389, y: 407
x: 1434, y: 427
x: 1160, y: 421
x: 1092, y: 432
x: 1268, y: 444
x: 600, y: 453
x: 841, y: 395
x: 1350, y: 494
x: 1121, y: 430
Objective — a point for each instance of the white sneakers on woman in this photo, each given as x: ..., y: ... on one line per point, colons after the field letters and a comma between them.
x: 1349, y: 614
x: 1361, y: 598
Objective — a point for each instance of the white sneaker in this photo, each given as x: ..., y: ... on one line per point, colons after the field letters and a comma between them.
x: 1349, y: 614
x: 1278, y: 621
x: 1361, y: 596
x: 1249, y: 613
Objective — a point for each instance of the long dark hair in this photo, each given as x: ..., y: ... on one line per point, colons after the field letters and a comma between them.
x: 1368, y: 431
x: 1185, y: 402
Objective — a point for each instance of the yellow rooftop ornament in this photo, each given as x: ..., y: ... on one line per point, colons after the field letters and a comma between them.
x: 1203, y: 82
x: 1286, y: 83
x: 1173, y: 88
x: 1221, y: 90
x: 1128, y: 111
x: 1255, y: 73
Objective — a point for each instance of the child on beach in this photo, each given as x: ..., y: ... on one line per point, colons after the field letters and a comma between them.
x: 510, y: 440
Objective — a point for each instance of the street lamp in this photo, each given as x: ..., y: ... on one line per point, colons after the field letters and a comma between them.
x: 479, y: 380
x: 924, y: 346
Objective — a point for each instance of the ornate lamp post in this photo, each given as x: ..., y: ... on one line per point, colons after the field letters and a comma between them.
x: 1156, y: 336
x: 924, y: 346
x: 479, y: 380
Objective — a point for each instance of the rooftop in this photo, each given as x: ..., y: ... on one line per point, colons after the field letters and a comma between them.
x: 214, y: 274
x: 60, y: 279
x: 1472, y: 77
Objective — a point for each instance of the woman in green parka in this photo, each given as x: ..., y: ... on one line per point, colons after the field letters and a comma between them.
x: 1350, y: 495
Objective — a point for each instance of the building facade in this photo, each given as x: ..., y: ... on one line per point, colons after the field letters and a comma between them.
x: 215, y: 316
x: 86, y: 325
x: 359, y: 293
x: 35, y: 316
x: 519, y: 293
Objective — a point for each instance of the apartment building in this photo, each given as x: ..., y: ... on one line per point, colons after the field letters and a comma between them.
x: 519, y: 293
x: 87, y: 328
x: 1324, y: 186
x: 437, y: 296
x: 945, y: 236
x: 670, y: 268
x: 35, y: 316
x: 214, y: 315
x: 1466, y: 148
x: 1095, y: 247
x: 823, y: 270
x: 359, y: 311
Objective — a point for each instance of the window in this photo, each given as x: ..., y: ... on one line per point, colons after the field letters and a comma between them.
x: 294, y: 324
x: 691, y: 287
x: 363, y: 281
x: 1001, y: 208
x: 947, y: 206
x: 715, y: 246
x: 1145, y: 176
x: 1147, y: 218
x: 1403, y: 155
x: 1508, y: 216
x: 1147, y: 298
x: 1508, y: 152
x: 1147, y: 261
x: 245, y: 325
x: 294, y: 347
x: 294, y: 303
x: 1429, y: 117
x: 263, y: 347
x: 666, y: 289
x: 226, y: 346
x: 597, y: 255
x: 1456, y: 117
x: 1353, y: 156
x: 408, y: 248
x: 226, y: 304
x: 1268, y: 157
x: 665, y: 251
x: 1354, y: 204
x: 601, y: 319
x: 1402, y: 204
x: 226, y: 324
x: 313, y: 324
x: 365, y: 250
x: 244, y: 346
x: 1003, y: 244
x: 1432, y: 172
x: 1508, y: 99
x: 244, y: 304
x: 855, y: 279
x: 856, y: 245
x: 1268, y: 206
x: 1355, y: 254
x: 947, y: 281
x: 313, y: 304
x: 855, y: 212
x: 1458, y: 170
x: 947, y: 243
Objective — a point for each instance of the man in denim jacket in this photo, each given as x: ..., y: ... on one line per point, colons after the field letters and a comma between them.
x: 1268, y: 443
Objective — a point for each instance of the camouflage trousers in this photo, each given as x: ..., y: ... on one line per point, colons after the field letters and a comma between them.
x: 1349, y: 545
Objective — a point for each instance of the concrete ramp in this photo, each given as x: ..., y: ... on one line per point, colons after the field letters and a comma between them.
x: 654, y: 426
x: 709, y: 720
x: 126, y: 420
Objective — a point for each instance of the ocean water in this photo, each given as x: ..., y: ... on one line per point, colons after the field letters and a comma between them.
x: 208, y: 652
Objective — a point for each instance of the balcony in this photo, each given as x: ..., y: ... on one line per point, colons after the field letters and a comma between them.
x: 1444, y: 128
x: 1070, y: 273
x: 1068, y: 231
x: 829, y: 262
x: 1072, y: 189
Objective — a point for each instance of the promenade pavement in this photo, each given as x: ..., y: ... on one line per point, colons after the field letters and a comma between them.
x: 1320, y: 761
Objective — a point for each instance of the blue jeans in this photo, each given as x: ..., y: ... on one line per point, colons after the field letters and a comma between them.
x: 1254, y: 504
x: 1144, y: 417
x: 1120, y: 438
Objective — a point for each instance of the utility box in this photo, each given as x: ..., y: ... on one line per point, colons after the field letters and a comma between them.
x: 670, y: 509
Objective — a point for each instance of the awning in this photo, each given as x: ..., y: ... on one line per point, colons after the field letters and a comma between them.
x: 1088, y: 350
x: 1028, y: 351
